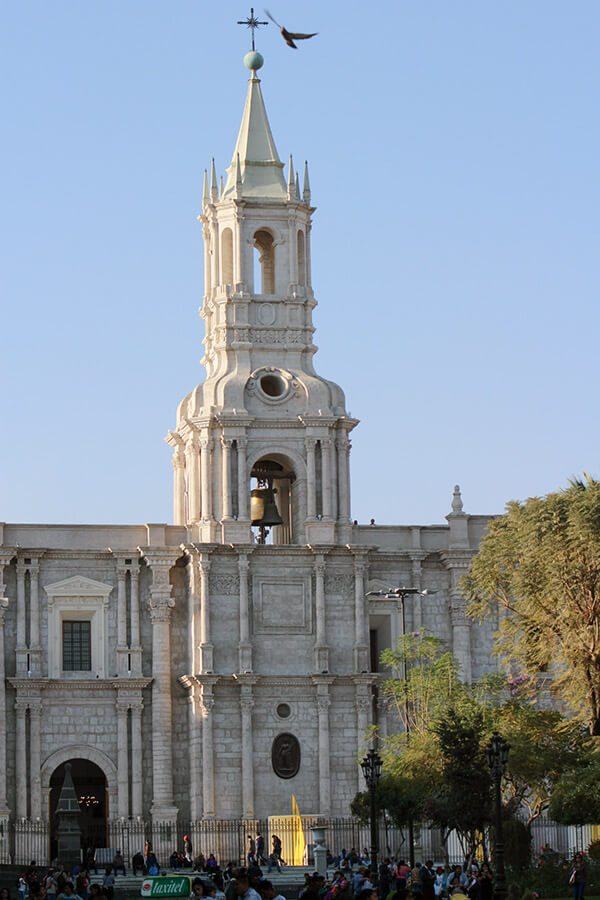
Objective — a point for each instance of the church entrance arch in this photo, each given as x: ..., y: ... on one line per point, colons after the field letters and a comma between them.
x: 91, y: 788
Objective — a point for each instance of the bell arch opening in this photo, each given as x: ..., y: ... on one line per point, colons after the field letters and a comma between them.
x: 273, y: 500
x: 264, y: 269
x: 91, y: 788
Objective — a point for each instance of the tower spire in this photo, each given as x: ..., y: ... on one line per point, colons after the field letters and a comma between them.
x: 262, y: 170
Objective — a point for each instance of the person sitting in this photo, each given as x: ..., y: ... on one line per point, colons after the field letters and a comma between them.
x: 119, y: 863
x: 137, y: 862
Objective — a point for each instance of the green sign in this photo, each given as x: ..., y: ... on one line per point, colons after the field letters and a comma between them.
x: 167, y: 886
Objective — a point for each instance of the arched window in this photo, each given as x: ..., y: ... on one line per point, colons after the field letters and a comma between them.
x: 301, y: 259
x: 227, y: 256
x: 264, y: 244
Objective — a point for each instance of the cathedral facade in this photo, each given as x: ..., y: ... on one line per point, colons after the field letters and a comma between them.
x: 209, y: 669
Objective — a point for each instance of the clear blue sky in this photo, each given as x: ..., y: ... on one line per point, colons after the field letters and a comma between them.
x: 454, y: 152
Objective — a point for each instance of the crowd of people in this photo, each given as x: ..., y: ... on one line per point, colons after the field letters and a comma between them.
x: 352, y: 878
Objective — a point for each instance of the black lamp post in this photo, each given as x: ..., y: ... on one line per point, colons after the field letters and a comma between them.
x: 497, y: 757
x: 371, y: 769
x: 401, y: 593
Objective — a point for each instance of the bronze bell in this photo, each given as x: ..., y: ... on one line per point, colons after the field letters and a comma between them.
x: 263, y: 509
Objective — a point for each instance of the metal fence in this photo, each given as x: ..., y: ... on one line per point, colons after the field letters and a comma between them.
x: 24, y: 840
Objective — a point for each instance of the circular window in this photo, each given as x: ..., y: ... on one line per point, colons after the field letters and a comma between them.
x: 284, y: 711
x: 273, y: 385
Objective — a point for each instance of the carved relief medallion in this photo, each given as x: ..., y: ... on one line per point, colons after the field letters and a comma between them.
x: 285, y: 755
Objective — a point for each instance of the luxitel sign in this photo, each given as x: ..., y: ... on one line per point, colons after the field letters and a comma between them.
x: 167, y: 886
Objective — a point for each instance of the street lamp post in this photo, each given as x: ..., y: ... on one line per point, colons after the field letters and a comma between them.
x: 497, y: 757
x: 371, y: 769
x: 401, y: 593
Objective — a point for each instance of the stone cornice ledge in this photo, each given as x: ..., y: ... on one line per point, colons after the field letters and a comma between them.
x: 88, y: 684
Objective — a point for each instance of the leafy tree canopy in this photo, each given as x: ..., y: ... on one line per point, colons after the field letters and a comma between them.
x: 576, y: 798
x: 538, y: 572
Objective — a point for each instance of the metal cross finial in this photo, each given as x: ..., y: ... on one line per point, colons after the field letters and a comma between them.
x: 253, y: 23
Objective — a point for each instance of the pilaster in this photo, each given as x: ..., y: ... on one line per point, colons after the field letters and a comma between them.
x: 160, y: 605
x: 246, y: 683
x: 321, y: 651
x: 364, y: 706
x: 245, y: 645
x: 5, y: 559
x: 207, y: 701
x: 458, y: 562
x: 323, y: 684
x: 362, y: 662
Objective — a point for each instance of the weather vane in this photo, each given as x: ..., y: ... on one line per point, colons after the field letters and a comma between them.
x: 253, y: 23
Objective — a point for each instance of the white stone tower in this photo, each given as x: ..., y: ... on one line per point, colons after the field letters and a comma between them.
x: 262, y: 407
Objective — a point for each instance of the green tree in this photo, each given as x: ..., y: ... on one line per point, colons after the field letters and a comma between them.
x: 543, y: 746
x: 462, y: 800
x: 576, y: 797
x: 539, y: 565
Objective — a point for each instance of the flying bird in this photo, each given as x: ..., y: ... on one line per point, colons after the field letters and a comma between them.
x: 289, y: 36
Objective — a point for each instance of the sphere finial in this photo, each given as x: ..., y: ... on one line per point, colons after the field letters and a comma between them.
x: 254, y: 60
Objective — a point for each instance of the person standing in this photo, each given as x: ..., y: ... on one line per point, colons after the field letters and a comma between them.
x: 579, y: 876
x: 251, y: 854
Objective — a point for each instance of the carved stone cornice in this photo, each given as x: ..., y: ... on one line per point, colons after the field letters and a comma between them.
x: 65, y: 685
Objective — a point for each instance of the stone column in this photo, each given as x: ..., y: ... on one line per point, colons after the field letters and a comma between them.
x: 122, y: 759
x: 246, y: 704
x: 192, y: 465
x: 326, y: 478
x: 361, y: 617
x: 5, y: 558
x: 321, y: 648
x: 242, y: 444
x: 343, y: 468
x: 20, y: 757
x: 382, y: 720
x: 195, y: 748
x: 179, y: 486
x: 122, y: 650
x: 4, y: 811
x: 461, y: 635
x: 226, y: 505
x: 206, y: 648
x: 363, y: 708
x: 21, y: 648
x: 161, y: 604
x: 333, y: 478
x: 34, y: 619
x: 134, y: 605
x: 245, y: 647
x: 457, y: 562
x: 323, y: 704
x: 35, y: 784
x: 417, y: 617
x: 311, y: 481
x: 208, y: 756
x: 205, y: 470
x: 136, y: 759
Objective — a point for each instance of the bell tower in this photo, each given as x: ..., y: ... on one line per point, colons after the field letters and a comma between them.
x: 261, y: 447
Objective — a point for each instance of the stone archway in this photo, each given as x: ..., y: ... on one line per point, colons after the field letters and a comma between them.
x: 99, y: 766
x: 91, y: 788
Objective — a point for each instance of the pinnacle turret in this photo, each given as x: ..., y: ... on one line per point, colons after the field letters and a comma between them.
x: 306, y: 191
